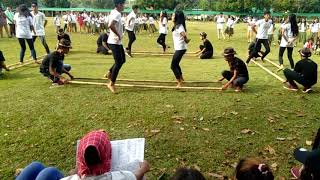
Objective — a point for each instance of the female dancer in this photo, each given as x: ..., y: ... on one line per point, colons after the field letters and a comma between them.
x: 163, y: 30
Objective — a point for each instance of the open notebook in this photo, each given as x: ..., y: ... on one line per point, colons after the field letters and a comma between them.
x: 126, y: 151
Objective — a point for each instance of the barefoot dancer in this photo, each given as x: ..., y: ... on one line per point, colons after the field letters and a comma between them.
x: 180, y: 41
x: 115, y: 43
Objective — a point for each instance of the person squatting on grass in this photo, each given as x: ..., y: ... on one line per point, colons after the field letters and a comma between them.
x: 39, y: 23
x: 238, y: 74
x: 163, y: 30
x: 180, y: 42
x: 24, y: 26
x: 52, y: 65
x: 115, y: 43
x: 187, y: 174
x: 129, y: 26
x: 206, y: 50
x: 262, y: 35
x: 289, y: 31
x: 253, y: 169
x: 102, y: 43
x: 305, y: 73
x: 2, y: 64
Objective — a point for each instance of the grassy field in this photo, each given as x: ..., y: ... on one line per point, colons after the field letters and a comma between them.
x: 202, y: 129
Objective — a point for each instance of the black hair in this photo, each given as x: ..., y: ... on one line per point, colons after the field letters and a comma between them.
x: 117, y: 2
x: 34, y: 3
x: 91, y: 156
x: 164, y: 15
x: 294, y: 25
x: 135, y: 7
x: 267, y: 12
x: 308, y: 174
x: 23, y: 10
x: 187, y: 174
x: 248, y: 169
x: 179, y: 19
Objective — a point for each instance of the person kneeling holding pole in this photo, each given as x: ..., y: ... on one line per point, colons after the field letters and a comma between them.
x: 52, y: 65
x: 238, y: 74
x: 305, y: 73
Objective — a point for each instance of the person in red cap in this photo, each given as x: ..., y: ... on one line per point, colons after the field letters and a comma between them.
x: 238, y: 74
x: 305, y: 73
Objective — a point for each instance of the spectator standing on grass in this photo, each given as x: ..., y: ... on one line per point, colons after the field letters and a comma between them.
x: 314, y: 28
x: 115, y: 43
x: 24, y: 26
x: 238, y: 74
x: 303, y: 26
x: 3, y: 23
x: 163, y: 30
x: 180, y: 41
x: 305, y: 73
x: 57, y: 22
x: 129, y: 26
x: 220, y: 23
x: 250, y: 22
x: 9, y: 13
x: 73, y: 17
x: 289, y: 31
x: 262, y: 35
x: 39, y: 24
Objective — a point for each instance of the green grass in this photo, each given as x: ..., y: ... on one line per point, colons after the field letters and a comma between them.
x: 42, y: 123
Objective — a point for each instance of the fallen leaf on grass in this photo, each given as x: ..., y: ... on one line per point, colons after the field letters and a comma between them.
x: 247, y: 131
x: 280, y: 139
x: 300, y: 114
x: 206, y: 129
x: 201, y: 118
x: 274, y: 166
x: 234, y: 113
x: 215, y: 175
x: 169, y: 106
x: 182, y: 129
x: 308, y: 143
x: 155, y: 131
x: 179, y: 118
x: 270, y: 150
x: 177, y: 122
x: 271, y: 119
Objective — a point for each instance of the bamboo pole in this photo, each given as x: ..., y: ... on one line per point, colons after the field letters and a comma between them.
x: 273, y: 63
x: 268, y: 71
x: 154, y: 81
x: 18, y: 63
x: 154, y: 52
x: 22, y: 65
x: 145, y: 86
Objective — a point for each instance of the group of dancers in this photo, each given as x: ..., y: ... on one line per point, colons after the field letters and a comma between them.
x: 52, y: 65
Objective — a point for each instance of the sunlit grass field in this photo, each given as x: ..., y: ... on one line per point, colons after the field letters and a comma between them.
x: 207, y: 130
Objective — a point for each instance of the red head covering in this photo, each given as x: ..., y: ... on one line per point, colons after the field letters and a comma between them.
x: 101, y: 142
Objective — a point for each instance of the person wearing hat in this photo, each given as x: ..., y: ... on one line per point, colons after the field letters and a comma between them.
x: 102, y: 44
x: 238, y: 74
x: 39, y: 23
x: 115, y: 43
x: 305, y: 73
x: 262, y: 35
x: 206, y: 50
x: 2, y: 64
x: 52, y: 65
x: 63, y: 35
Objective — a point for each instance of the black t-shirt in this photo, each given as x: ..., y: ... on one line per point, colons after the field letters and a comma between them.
x: 308, y: 69
x: 2, y: 57
x: 64, y: 36
x: 238, y: 65
x: 102, y: 38
x: 52, y: 60
x: 207, y: 44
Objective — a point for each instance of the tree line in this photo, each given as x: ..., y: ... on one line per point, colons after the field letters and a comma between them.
x: 299, y: 6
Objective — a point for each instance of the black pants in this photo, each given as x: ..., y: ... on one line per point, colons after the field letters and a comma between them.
x: 175, y: 63
x: 119, y: 60
x: 206, y: 54
x: 162, y: 41
x: 23, y: 48
x: 256, y: 49
x: 238, y: 82
x: 132, y: 38
x: 289, y: 54
x: 293, y: 76
x: 65, y: 27
x: 43, y: 41
x: 12, y: 29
